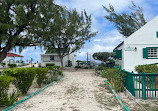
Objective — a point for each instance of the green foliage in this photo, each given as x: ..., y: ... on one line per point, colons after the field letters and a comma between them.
x: 69, y: 29
x: 69, y: 63
x: 3, y: 64
x: 4, y: 84
x: 56, y: 67
x: 59, y: 72
x: 101, y: 66
x: 41, y: 75
x: 24, y: 77
x: 21, y: 16
x: 78, y: 67
x: 5, y: 99
x: 103, y: 56
x: 12, y: 65
x: 8, y: 100
x: 116, y: 78
x: 126, y: 23
x: 78, y: 62
x: 152, y: 68
x: 49, y: 64
x: 53, y: 74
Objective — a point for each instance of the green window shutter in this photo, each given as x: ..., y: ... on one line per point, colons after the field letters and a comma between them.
x: 118, y: 54
x: 157, y: 34
x: 145, y: 53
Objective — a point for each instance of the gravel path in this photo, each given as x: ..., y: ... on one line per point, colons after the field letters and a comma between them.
x: 79, y: 90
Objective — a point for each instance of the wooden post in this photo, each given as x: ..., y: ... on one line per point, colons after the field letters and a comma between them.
x: 143, y: 86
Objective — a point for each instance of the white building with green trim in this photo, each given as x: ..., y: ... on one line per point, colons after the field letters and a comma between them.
x: 51, y: 56
x: 140, y: 48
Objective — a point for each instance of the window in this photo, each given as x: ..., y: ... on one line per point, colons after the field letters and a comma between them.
x: 152, y: 52
x: 51, y: 57
x: 157, y: 34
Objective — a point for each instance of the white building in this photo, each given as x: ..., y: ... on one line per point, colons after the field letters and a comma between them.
x: 140, y: 48
x: 52, y: 57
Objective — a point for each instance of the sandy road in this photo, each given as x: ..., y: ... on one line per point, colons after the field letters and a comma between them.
x: 79, y: 90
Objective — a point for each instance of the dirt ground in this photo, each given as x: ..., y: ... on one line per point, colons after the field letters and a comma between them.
x: 79, y: 90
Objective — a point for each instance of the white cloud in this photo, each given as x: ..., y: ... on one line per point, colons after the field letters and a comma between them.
x: 103, y: 43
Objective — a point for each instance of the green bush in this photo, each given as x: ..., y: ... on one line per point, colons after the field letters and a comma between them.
x: 116, y: 78
x: 3, y: 64
x: 53, y: 74
x: 78, y: 67
x: 4, y: 84
x: 41, y: 75
x: 9, y: 100
x: 12, y: 65
x: 101, y: 66
x: 60, y: 72
x: 5, y: 99
x: 50, y: 64
x: 152, y: 68
x: 24, y: 77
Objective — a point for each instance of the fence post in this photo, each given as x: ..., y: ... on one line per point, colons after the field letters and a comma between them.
x: 143, y: 86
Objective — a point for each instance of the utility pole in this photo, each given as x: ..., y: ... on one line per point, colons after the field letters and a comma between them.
x: 87, y: 58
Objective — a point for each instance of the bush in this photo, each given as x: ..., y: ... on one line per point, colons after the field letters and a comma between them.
x: 41, y: 74
x: 60, y: 72
x: 78, y: 67
x: 4, y: 84
x: 152, y: 68
x: 3, y: 64
x: 50, y: 64
x: 12, y: 65
x: 101, y: 66
x: 116, y: 78
x: 5, y: 99
x: 24, y: 77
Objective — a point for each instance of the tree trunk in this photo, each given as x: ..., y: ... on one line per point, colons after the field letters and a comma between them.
x: 61, y: 61
x: 3, y: 54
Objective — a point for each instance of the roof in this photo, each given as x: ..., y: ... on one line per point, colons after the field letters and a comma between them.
x: 13, y: 55
x: 53, y: 50
x: 119, y: 45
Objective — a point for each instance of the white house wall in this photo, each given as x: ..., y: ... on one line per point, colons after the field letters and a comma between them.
x: 45, y: 58
x: 144, y: 37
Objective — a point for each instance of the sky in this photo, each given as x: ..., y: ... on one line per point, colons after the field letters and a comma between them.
x: 107, y: 37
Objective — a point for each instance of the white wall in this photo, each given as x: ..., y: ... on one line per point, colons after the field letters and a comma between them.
x: 135, y: 58
x: 144, y: 37
x: 45, y: 58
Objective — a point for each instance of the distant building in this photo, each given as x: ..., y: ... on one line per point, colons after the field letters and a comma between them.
x: 13, y: 58
x: 51, y: 56
x: 139, y: 48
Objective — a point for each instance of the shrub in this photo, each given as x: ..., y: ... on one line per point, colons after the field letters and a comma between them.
x: 24, y: 77
x: 60, y: 72
x: 4, y: 84
x: 3, y: 64
x: 101, y: 66
x: 56, y: 67
x: 41, y: 74
x: 12, y: 65
x: 9, y: 100
x: 50, y: 64
x: 116, y: 78
x: 5, y: 99
x: 78, y: 67
x: 152, y: 68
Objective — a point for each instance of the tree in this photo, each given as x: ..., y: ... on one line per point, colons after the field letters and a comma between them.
x: 103, y: 56
x: 68, y: 32
x: 17, y: 18
x: 126, y: 23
